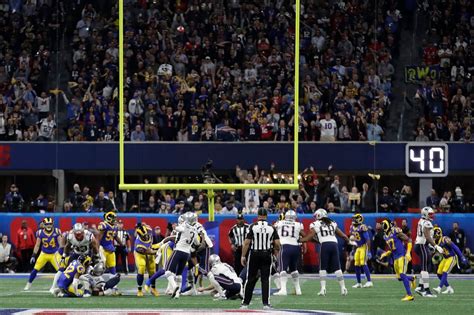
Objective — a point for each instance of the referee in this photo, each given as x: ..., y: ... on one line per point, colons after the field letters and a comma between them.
x: 121, y: 251
x: 261, y: 239
x: 237, y: 236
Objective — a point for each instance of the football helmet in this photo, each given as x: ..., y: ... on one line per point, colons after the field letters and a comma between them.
x: 110, y: 217
x: 143, y: 232
x: 437, y: 234
x: 387, y: 226
x: 84, y: 260
x: 357, y: 219
x: 48, y: 224
x: 428, y: 213
x: 320, y: 213
x: 214, y: 259
x: 290, y: 215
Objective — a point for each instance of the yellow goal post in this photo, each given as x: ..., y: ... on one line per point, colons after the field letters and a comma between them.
x: 217, y: 186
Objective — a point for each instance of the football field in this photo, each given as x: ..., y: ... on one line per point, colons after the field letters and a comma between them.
x: 383, y: 298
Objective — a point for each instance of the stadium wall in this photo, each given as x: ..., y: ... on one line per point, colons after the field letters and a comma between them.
x: 218, y: 230
x: 190, y: 156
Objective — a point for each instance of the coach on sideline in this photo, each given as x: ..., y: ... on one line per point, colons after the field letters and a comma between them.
x: 262, y: 239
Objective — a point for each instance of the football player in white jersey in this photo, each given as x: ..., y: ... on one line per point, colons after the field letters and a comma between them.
x: 96, y: 282
x: 79, y: 241
x: 223, y: 279
x: 289, y: 231
x: 424, y: 238
x: 186, y: 236
x: 326, y: 230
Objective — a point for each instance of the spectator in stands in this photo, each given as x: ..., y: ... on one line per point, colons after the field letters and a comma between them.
x: 47, y: 128
x: 386, y: 201
x: 458, y: 201
x: 367, y: 198
x: 13, y: 201
x: 151, y: 206
x: 40, y: 204
x: 229, y: 208
x: 374, y: 130
x: 102, y: 203
x: 458, y: 236
x: 8, y: 261
x: 137, y: 134
x: 25, y: 244
x: 433, y: 200
x: 114, y: 201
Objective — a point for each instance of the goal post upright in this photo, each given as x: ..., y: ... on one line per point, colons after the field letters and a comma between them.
x: 201, y: 186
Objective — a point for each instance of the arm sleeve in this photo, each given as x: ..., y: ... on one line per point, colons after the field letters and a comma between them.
x: 456, y: 250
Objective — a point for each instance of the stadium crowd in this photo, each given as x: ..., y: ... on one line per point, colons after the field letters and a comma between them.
x: 338, y: 194
x: 447, y: 103
x: 210, y: 71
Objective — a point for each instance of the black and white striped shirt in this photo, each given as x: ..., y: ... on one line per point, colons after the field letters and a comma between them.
x: 261, y: 234
x: 238, y: 233
x: 123, y: 236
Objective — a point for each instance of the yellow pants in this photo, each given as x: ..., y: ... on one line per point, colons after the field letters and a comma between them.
x: 43, y: 259
x: 400, y: 266
x: 109, y: 258
x: 145, y: 263
x: 447, y: 264
x: 360, y: 256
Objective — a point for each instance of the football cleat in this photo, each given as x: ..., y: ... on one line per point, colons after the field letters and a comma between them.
x: 244, y: 306
x: 175, y: 294
x: 408, y: 298
x: 368, y: 284
x: 155, y: 292
x: 437, y: 290
x: 343, y: 291
x: 280, y: 292
x: 449, y: 290
x: 139, y: 293
x: 86, y: 295
x: 27, y: 286
x: 420, y: 290
x: 357, y: 285
x: 146, y: 287
x: 427, y: 293
x: 298, y: 291
x: 267, y: 307
x: 322, y: 292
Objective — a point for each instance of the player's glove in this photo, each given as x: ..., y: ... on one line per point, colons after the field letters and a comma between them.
x: 369, y: 255
x: 408, y: 257
x: 464, y: 262
x: 32, y: 260
x: 352, y: 243
x: 439, y: 249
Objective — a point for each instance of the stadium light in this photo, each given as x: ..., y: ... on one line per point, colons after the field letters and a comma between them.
x: 209, y: 187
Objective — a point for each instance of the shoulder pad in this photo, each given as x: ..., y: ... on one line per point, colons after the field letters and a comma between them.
x: 363, y: 228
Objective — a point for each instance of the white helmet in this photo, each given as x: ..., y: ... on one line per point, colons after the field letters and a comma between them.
x: 290, y: 215
x: 320, y: 213
x: 427, y: 213
x: 214, y: 260
x: 99, y: 269
x: 181, y: 219
x: 78, y: 227
x: 190, y: 218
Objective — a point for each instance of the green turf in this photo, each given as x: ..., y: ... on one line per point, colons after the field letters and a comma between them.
x: 383, y: 298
